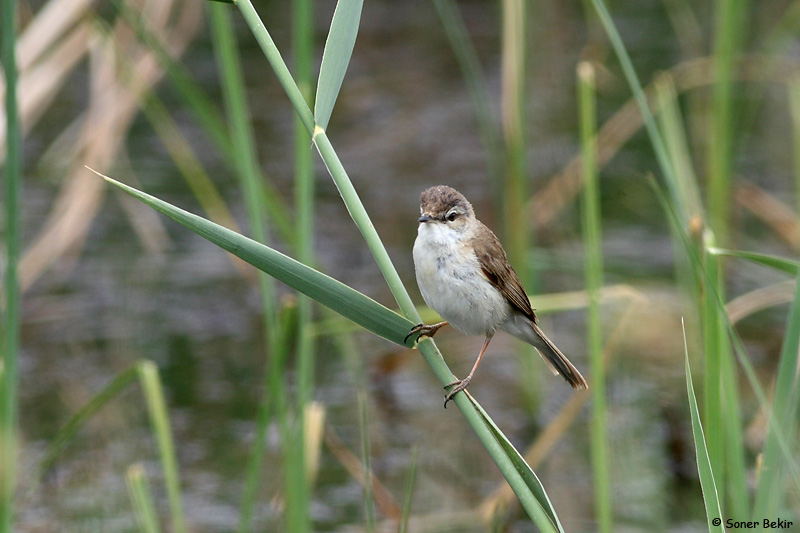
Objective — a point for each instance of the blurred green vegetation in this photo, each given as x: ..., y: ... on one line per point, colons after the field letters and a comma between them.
x: 262, y: 410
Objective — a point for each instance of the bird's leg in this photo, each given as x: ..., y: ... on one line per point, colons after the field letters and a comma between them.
x: 461, y: 384
x: 425, y: 330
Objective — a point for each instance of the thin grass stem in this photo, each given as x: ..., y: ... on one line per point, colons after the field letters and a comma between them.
x: 727, y: 41
x: 159, y: 419
x: 408, y: 493
x: 369, y: 502
x: 304, y: 178
x: 475, y: 81
x: 142, y: 499
x: 593, y: 273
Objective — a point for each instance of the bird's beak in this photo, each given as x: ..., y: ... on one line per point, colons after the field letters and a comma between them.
x: 425, y: 218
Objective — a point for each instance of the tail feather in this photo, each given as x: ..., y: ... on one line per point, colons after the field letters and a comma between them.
x: 525, y: 329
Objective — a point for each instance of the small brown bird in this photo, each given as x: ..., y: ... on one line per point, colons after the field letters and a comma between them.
x: 464, y: 275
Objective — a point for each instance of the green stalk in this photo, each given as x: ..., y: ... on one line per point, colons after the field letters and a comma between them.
x: 276, y: 62
x: 780, y: 435
x: 246, y: 160
x: 715, y: 339
x: 593, y: 268
x: 369, y: 503
x: 515, y: 225
x: 328, y: 154
x: 728, y: 37
x: 142, y: 499
x: 12, y: 230
x: 735, y: 469
x: 364, y: 224
x: 794, y: 106
x: 303, y: 45
x: 298, y: 478
x: 479, y: 425
x: 659, y: 147
x: 515, y: 188
x: 408, y: 493
x: 159, y: 419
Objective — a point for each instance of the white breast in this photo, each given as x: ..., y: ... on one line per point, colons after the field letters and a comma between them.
x: 451, y: 281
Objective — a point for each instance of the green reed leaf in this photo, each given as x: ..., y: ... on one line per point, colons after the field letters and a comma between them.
x: 336, y: 57
x: 707, y: 483
x: 345, y: 300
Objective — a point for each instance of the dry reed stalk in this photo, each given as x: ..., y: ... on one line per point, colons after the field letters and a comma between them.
x: 350, y: 461
x: 562, y: 188
x: 777, y: 215
x: 537, y: 452
x: 112, y: 108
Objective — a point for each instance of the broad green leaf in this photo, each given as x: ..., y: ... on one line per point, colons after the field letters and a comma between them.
x: 778, y: 263
x: 528, y: 475
x: 336, y: 57
x: 707, y: 483
x: 345, y: 300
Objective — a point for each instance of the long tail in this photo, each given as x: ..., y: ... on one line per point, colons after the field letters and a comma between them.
x: 530, y: 332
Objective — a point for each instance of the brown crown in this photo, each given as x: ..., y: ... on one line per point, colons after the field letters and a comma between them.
x: 440, y: 199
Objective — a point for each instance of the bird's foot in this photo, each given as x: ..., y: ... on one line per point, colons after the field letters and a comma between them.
x: 425, y: 330
x: 458, y: 385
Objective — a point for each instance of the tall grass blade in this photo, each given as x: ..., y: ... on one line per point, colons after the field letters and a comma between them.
x: 710, y: 498
x: 336, y: 295
x: 277, y: 63
x: 515, y: 190
x: 364, y: 223
x: 273, y: 403
x: 336, y: 57
x: 781, y: 436
x: 12, y: 232
x: 159, y: 419
x: 346, y: 301
x: 794, y: 107
x: 408, y: 493
x: 474, y: 79
x: 771, y: 492
x: 778, y: 263
x: 118, y: 384
x: 142, y: 499
x: 593, y: 274
x: 728, y: 38
x: 716, y: 349
x: 677, y: 146
x: 246, y: 163
x: 304, y: 184
x: 369, y: 503
x: 659, y: 147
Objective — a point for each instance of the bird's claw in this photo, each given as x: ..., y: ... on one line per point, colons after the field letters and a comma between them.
x: 424, y: 330
x: 458, y: 386
x: 415, y: 329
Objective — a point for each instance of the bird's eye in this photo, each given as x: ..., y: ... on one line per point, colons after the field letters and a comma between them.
x: 452, y: 216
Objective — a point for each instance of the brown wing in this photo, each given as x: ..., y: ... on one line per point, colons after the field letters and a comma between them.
x: 498, y: 271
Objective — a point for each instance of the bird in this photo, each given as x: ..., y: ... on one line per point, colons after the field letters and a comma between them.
x: 464, y: 275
